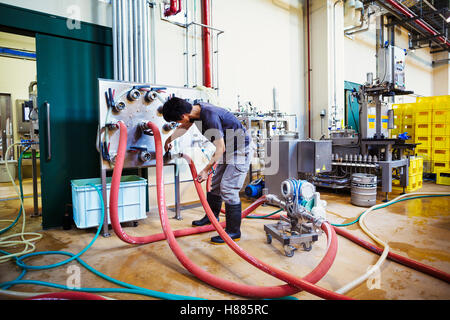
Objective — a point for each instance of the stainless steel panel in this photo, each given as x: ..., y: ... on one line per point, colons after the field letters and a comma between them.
x: 314, y: 156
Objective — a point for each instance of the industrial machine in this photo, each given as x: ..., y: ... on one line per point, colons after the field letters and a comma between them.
x: 305, y: 214
x: 371, y: 151
x: 135, y: 104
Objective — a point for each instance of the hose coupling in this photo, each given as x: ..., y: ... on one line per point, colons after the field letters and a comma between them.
x: 274, y: 200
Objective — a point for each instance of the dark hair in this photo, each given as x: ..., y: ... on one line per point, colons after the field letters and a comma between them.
x: 174, y: 108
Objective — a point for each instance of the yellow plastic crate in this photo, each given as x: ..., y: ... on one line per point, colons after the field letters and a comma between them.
x: 425, y: 99
x: 440, y: 166
x: 442, y: 102
x: 425, y: 141
x: 424, y: 116
x: 398, y: 113
x: 441, y: 116
x: 412, y: 169
x: 419, y: 161
x: 410, y: 128
x: 427, y: 166
x: 423, y: 129
x: 414, y: 183
x: 442, y: 142
x: 441, y: 154
x: 409, y: 113
x: 443, y: 177
x: 424, y: 152
x: 440, y: 129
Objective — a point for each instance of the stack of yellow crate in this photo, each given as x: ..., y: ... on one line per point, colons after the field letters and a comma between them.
x: 415, y: 176
x: 441, y: 138
x: 423, y: 109
x: 398, y: 120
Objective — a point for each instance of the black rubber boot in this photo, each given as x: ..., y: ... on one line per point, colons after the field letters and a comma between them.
x: 233, y: 223
x: 215, y: 203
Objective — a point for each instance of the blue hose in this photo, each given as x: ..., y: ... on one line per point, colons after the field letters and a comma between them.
x: 21, y: 192
x: 129, y: 288
x: 404, y: 199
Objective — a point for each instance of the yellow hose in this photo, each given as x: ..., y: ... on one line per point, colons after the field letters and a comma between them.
x: 28, y: 243
x: 385, y: 252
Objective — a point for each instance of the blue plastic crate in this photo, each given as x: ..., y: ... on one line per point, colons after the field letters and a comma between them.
x: 86, y: 201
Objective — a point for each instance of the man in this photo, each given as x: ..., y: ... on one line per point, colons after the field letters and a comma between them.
x: 232, y: 155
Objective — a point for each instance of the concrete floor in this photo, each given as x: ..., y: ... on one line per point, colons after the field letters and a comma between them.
x: 418, y: 229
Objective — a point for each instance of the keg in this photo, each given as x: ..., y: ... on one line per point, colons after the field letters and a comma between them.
x: 364, y: 189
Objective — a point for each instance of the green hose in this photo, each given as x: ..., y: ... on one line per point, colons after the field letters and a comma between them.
x: 383, y: 206
x: 262, y: 217
x: 129, y: 288
x: 21, y: 192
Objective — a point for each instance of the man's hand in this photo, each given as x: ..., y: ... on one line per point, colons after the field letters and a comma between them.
x: 167, y: 145
x: 202, y: 176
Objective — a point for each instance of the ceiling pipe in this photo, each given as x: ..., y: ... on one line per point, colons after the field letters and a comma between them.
x: 418, y: 21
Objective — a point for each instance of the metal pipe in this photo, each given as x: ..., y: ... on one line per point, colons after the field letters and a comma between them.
x: 153, y: 42
x: 420, y: 22
x: 130, y: 40
x: 146, y: 43
x: 124, y: 42
x: 334, y: 61
x: 186, y: 44
x: 115, y: 43
x: 119, y: 40
x: 135, y: 57
x: 194, y: 55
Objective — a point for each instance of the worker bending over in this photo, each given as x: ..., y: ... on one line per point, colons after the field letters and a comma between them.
x: 234, y: 150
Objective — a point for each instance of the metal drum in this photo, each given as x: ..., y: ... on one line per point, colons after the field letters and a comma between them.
x: 364, y: 190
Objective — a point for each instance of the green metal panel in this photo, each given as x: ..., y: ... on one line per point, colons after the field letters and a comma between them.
x: 67, y: 73
x: 43, y: 23
x: 351, y: 106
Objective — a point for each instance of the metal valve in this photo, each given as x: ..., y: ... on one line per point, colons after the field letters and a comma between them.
x: 145, y: 156
x: 150, y: 96
x: 133, y: 94
x: 145, y: 129
x: 119, y: 106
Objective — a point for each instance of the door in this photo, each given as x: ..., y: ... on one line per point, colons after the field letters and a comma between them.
x: 351, y: 111
x: 6, y: 126
x: 67, y: 73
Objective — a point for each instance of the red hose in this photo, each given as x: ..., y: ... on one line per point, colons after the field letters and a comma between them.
x: 66, y: 296
x: 236, y: 288
x: 439, y: 274
x: 395, y: 257
x: 299, y: 283
x: 114, y: 216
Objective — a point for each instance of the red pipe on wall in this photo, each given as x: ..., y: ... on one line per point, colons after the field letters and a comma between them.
x: 207, y: 74
x: 420, y: 22
x: 309, y: 68
x: 174, y: 8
